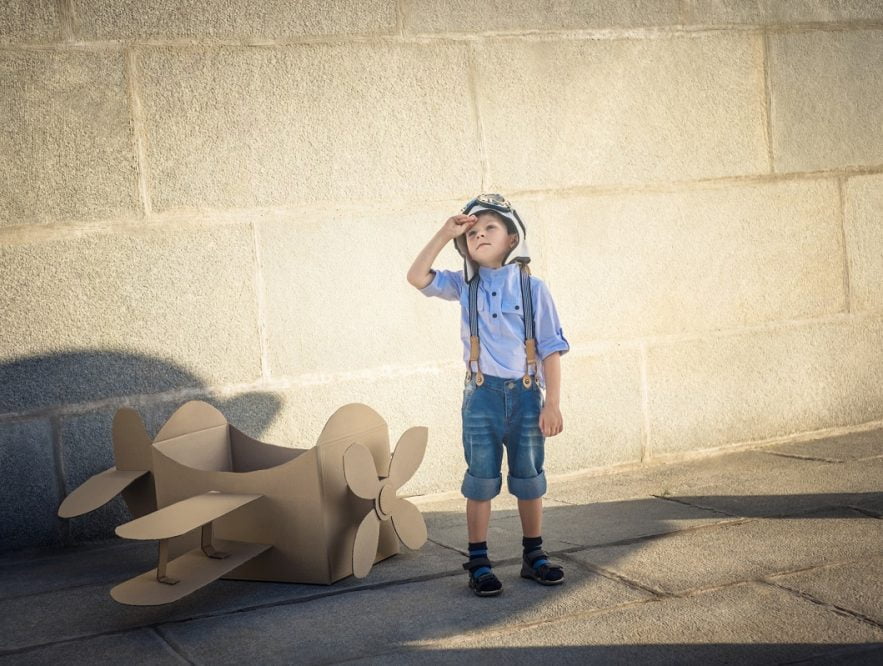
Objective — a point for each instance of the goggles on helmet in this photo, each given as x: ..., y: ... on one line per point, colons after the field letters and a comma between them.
x: 493, y: 201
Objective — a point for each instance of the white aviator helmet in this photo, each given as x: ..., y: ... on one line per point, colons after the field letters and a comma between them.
x: 498, y: 204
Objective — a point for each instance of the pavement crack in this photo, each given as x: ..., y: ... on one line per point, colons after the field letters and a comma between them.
x: 830, y: 655
x: 866, y: 512
x: 616, y: 577
x: 236, y: 611
x: 629, y: 541
x: 451, y: 548
x: 802, y: 457
x: 693, y: 506
x: 172, y: 644
x: 834, y: 608
x: 451, y: 641
x: 38, y: 593
x: 561, y: 501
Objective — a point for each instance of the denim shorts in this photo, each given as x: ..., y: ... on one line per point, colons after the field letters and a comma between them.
x: 502, y: 412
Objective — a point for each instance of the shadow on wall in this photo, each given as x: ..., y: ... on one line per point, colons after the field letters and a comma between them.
x: 45, y: 455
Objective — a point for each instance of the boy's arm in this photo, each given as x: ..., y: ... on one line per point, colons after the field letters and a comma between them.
x: 420, y: 273
x: 551, y: 421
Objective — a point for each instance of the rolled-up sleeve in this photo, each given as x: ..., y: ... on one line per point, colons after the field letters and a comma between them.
x: 549, y: 335
x: 445, y: 284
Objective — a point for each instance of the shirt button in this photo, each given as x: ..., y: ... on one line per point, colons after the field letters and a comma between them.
x: 494, y: 315
x: 493, y: 293
x: 517, y: 308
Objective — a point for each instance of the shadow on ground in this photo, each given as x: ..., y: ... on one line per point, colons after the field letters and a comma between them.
x: 656, y: 580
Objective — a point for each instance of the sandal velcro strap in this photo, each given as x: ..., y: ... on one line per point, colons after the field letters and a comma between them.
x: 545, y: 566
x: 532, y: 557
x: 477, y: 563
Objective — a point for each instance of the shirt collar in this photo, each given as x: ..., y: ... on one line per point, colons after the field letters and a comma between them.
x: 496, y: 276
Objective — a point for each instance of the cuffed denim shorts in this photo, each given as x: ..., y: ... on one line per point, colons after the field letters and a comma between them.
x: 502, y: 412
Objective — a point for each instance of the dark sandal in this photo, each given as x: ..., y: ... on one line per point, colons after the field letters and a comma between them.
x: 485, y: 585
x: 536, y: 566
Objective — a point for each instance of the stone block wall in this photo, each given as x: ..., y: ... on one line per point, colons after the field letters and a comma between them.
x: 220, y: 200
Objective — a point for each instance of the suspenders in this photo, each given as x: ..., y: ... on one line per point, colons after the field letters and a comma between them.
x: 530, y: 343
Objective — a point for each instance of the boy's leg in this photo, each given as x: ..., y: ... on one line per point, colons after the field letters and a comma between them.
x: 482, y: 446
x: 531, y: 514
x: 527, y: 481
x: 478, y: 516
x: 482, y: 580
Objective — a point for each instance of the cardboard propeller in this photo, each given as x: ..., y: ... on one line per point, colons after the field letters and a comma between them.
x: 222, y: 504
x: 358, y: 468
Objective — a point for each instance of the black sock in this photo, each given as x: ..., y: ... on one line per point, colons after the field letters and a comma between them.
x: 531, y: 544
x: 476, y: 550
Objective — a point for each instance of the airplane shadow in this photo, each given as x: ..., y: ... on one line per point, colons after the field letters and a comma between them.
x: 44, y: 455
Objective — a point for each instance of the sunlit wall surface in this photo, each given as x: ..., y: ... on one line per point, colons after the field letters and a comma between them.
x: 220, y: 200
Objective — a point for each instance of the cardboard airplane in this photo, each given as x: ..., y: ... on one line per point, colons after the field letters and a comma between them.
x: 222, y: 504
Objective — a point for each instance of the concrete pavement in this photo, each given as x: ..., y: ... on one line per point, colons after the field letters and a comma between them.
x: 770, y: 555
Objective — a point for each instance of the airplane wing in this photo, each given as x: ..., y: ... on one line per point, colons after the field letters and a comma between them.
x: 97, y: 491
x: 172, y: 580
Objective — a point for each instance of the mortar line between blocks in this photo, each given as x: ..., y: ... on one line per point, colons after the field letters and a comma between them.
x: 646, y: 450
x: 683, y: 12
x: 139, y: 130
x: 472, y: 74
x: 172, y: 645
x: 62, y: 526
x: 34, y: 230
x: 841, y: 210
x: 767, y: 106
x: 400, y: 18
x: 261, y: 303
x: 65, y: 11
x: 666, y: 31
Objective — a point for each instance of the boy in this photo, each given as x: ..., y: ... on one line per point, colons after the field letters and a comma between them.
x: 508, y: 319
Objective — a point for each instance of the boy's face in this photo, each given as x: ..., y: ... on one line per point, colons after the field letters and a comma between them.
x: 489, y: 241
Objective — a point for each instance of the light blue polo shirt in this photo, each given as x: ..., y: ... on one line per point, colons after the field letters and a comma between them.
x: 501, y: 319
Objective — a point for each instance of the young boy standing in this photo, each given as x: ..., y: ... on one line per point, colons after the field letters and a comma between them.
x: 512, y: 346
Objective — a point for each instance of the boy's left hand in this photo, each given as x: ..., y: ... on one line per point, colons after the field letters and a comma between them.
x: 551, y: 422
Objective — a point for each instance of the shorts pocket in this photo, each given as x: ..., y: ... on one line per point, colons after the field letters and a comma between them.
x: 468, y: 392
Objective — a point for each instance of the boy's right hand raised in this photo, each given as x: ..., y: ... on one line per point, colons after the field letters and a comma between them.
x: 458, y: 225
